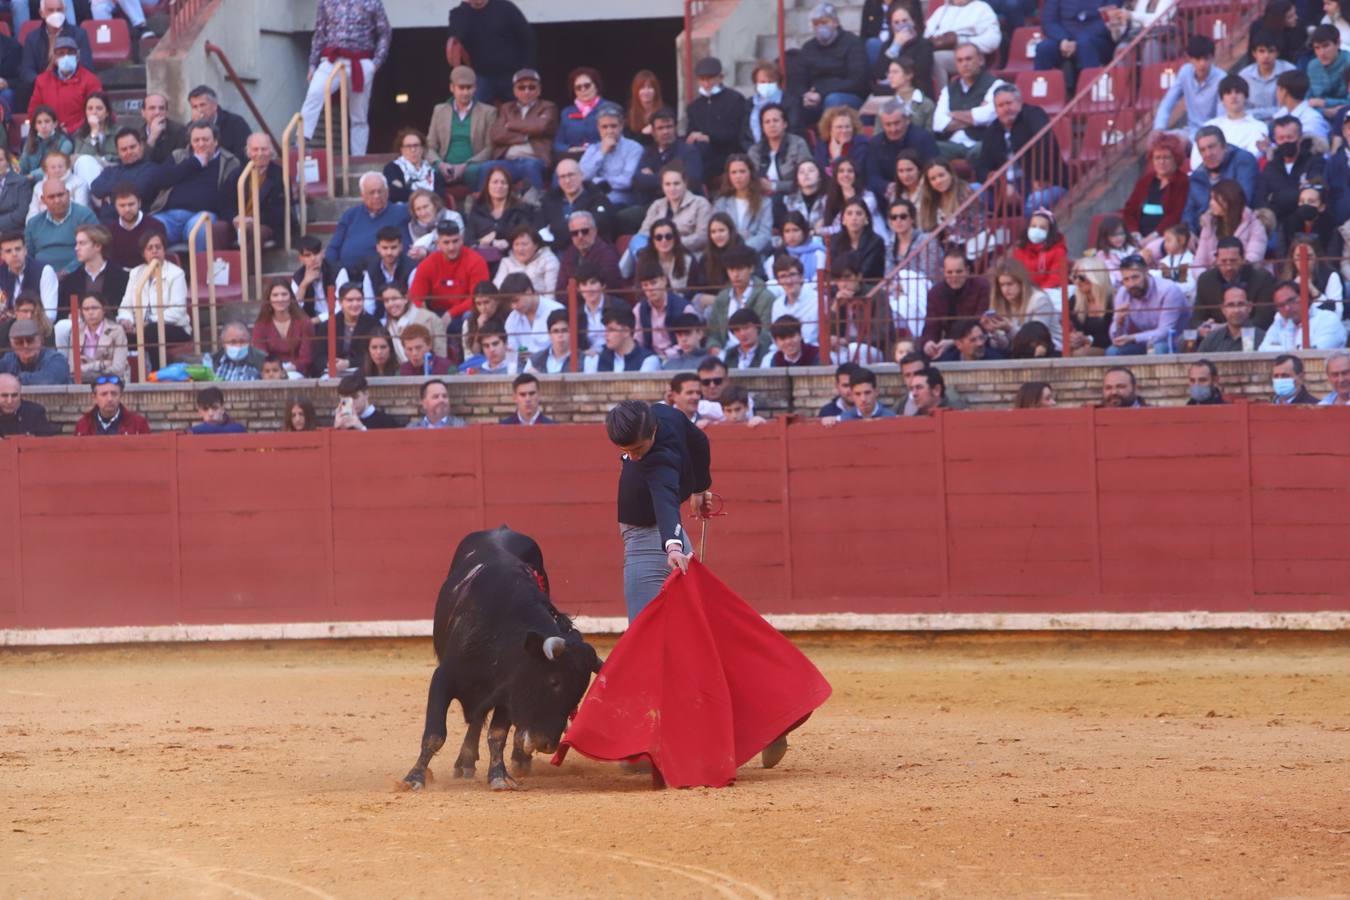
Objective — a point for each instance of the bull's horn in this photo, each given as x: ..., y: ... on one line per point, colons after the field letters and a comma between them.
x: 554, y: 647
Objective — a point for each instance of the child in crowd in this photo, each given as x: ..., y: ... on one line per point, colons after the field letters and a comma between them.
x: 791, y: 349
x: 688, y: 353
x: 736, y: 407
x: 1175, y: 262
x: 1113, y: 245
x: 746, y: 350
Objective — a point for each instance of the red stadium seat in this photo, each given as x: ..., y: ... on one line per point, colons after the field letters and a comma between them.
x: 621, y: 244
x: 1063, y: 130
x: 28, y: 28
x: 1022, y: 50
x: 1102, y: 131
x: 932, y: 8
x: 6, y: 30
x: 229, y: 286
x: 1110, y: 89
x: 1154, y: 81
x: 109, y: 41
x: 1043, y: 89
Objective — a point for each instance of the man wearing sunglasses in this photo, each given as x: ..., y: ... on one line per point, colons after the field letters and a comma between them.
x: 109, y: 417
x: 587, y: 247
x: 31, y: 362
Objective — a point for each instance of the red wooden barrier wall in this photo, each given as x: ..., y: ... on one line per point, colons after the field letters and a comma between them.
x: 1222, y: 509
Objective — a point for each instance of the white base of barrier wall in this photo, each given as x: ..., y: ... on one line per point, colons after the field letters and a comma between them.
x: 1172, y: 621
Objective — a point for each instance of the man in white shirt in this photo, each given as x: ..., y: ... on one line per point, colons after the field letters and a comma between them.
x: 957, y: 22
x: 1240, y: 128
x: 622, y: 353
x: 558, y: 357
x: 795, y: 297
x: 20, y: 274
x: 966, y: 105
x: 1286, y: 332
x: 1338, y: 376
x: 526, y: 328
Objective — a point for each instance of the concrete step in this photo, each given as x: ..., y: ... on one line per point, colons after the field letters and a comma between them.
x: 279, y: 259
x: 126, y: 75
x: 326, y: 209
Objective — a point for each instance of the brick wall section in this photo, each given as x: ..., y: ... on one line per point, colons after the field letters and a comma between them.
x: 585, y: 398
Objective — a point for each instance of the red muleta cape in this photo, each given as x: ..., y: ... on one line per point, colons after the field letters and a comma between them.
x: 699, y: 684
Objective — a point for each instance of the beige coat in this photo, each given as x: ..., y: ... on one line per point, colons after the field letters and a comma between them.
x: 416, y: 315
x: 110, y: 356
x: 691, y: 219
x: 481, y: 117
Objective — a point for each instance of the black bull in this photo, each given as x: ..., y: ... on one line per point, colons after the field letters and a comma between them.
x: 501, y: 647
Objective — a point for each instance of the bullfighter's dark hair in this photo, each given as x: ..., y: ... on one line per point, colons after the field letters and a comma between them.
x: 630, y: 422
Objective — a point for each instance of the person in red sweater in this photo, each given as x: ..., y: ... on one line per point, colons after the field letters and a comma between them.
x: 65, y: 86
x: 1159, y: 196
x: 109, y: 417
x: 1042, y: 250
x: 444, y: 281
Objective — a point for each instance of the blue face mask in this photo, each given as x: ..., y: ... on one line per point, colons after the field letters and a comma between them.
x: 1201, y: 392
x: 769, y: 91
x: 237, y: 354
x: 826, y: 34
x: 1284, y: 387
x: 65, y: 65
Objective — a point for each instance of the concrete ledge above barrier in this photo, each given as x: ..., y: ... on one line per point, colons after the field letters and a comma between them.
x: 585, y: 398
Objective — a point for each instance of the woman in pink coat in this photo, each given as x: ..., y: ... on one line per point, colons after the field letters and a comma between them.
x: 1229, y: 216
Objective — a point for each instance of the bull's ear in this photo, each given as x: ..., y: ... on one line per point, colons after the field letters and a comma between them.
x: 534, y: 644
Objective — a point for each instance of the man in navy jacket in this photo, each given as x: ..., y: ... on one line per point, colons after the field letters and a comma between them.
x: 666, y: 460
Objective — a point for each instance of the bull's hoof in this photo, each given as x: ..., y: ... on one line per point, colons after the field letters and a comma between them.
x: 464, y: 771
x: 522, y: 766
x: 503, y: 783
x: 639, y: 767
x: 415, y: 780
x: 773, y: 754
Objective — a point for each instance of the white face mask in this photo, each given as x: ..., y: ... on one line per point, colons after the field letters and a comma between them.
x: 768, y: 90
x: 55, y: 20
x: 1037, y: 235
x: 705, y: 92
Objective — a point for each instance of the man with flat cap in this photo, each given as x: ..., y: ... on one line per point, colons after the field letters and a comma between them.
x: 716, y: 117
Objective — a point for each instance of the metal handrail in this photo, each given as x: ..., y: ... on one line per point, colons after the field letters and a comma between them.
x: 193, y: 290
x: 295, y: 127
x: 1123, y: 60
x: 250, y: 174
x: 340, y: 72
x: 238, y: 83
x: 152, y: 268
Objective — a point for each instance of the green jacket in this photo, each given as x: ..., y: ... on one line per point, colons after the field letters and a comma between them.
x: 760, y: 300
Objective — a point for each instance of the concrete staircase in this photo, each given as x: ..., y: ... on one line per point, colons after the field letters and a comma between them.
x: 764, y: 39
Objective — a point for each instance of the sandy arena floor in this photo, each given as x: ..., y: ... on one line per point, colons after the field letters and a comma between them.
x: 1104, y: 766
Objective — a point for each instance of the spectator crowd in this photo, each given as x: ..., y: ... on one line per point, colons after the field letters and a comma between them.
x: 840, y: 215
